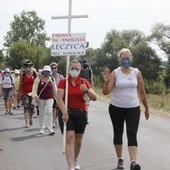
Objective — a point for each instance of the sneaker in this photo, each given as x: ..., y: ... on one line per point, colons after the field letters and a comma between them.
x: 27, y: 125
x: 51, y: 133
x: 134, y: 166
x: 14, y: 107
x: 54, y: 125
x: 76, y: 165
x: 6, y: 112
x: 71, y: 168
x: 18, y: 106
x: 10, y: 113
x: 56, y: 122
x: 31, y: 122
x: 41, y: 131
x: 120, y: 164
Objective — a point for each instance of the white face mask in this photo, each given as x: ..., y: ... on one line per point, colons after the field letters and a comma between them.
x: 74, y: 73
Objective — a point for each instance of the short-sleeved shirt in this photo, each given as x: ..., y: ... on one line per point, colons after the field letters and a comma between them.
x: 57, y: 79
x: 17, y: 80
x: 76, y: 97
x: 7, y: 81
x: 86, y: 74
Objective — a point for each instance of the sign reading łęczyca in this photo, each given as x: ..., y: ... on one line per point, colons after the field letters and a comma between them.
x: 68, y: 44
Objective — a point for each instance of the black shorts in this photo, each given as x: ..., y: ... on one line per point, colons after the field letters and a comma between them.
x: 77, y: 124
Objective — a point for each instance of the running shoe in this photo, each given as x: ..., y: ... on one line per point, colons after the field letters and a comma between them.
x: 134, y: 166
x: 120, y: 164
x: 76, y: 165
x: 54, y: 125
x: 31, y: 122
x: 27, y: 125
x: 51, y: 133
x: 71, y: 168
x: 10, y: 113
x: 42, y: 131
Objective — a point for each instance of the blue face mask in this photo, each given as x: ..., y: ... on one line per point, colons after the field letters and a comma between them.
x: 28, y: 69
x: 54, y: 70
x: 126, y: 63
x: 46, y: 73
x: 7, y: 74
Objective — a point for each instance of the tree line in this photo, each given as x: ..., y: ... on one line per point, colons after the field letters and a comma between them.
x: 27, y: 39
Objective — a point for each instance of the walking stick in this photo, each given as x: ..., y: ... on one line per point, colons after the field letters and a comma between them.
x: 66, y: 102
x: 64, y: 137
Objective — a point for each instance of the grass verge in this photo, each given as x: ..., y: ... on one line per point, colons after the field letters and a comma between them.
x: 158, y: 104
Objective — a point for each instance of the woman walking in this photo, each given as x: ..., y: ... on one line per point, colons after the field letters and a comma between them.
x: 124, y: 106
x: 75, y: 114
x: 44, y: 91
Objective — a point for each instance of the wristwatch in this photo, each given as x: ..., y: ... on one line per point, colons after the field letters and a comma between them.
x: 86, y: 91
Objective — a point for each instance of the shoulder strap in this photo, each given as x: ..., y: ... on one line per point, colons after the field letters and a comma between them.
x: 52, y: 79
x: 10, y: 78
x: 23, y: 76
x: 34, y: 74
x: 89, y: 73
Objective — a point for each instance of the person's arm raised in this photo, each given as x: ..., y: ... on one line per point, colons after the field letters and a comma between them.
x: 109, y: 81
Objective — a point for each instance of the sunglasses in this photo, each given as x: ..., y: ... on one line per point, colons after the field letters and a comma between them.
x: 28, y: 65
x: 72, y: 68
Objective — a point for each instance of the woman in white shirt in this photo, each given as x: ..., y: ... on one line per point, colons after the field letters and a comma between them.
x: 7, y: 90
x: 127, y: 83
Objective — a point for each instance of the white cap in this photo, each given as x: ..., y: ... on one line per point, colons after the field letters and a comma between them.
x: 7, y: 70
x: 16, y: 71
x: 46, y: 68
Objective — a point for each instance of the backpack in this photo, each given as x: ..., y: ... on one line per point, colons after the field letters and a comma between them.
x: 10, y: 78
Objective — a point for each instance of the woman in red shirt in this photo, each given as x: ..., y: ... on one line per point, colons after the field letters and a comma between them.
x: 26, y: 82
x: 75, y: 114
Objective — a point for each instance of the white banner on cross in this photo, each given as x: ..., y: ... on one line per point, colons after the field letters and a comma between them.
x: 64, y: 44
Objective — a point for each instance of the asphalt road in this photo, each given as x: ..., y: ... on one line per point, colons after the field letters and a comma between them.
x: 25, y: 149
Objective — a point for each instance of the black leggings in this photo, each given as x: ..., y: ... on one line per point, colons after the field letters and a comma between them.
x: 131, y: 116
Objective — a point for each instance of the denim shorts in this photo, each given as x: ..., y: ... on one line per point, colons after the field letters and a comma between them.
x: 7, y: 93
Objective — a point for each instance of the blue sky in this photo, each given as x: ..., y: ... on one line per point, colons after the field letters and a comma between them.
x: 104, y: 15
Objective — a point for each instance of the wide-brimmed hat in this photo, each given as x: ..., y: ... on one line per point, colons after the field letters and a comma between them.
x: 47, y: 68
